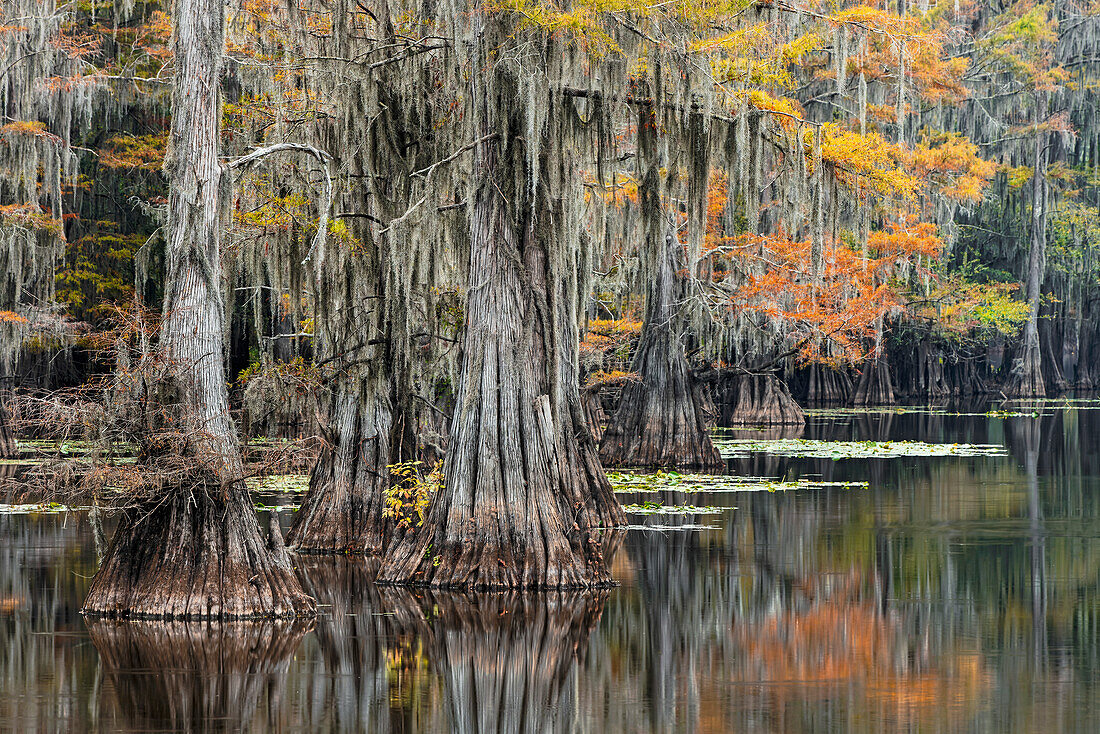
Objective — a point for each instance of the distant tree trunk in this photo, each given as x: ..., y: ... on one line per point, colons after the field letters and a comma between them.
x: 1086, y: 363
x: 523, y: 483
x: 342, y: 513
x: 594, y: 414
x: 659, y: 421
x: 1026, y: 378
x: 875, y: 386
x: 8, y: 447
x: 757, y: 400
x: 197, y: 551
x: 1051, y: 345
x: 827, y: 385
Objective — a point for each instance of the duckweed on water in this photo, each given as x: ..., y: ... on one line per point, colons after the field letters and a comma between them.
x: 810, y: 449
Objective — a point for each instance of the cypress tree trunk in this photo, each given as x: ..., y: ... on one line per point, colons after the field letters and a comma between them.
x: 196, y: 551
x: 1026, y: 378
x: 875, y: 386
x: 659, y: 421
x: 757, y: 400
x: 342, y: 513
x: 827, y: 385
x: 523, y: 483
x: 8, y: 448
x: 1086, y: 363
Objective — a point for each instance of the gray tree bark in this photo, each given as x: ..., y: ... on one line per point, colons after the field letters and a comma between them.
x: 342, y: 513
x: 523, y: 484
x: 659, y: 421
x: 1026, y: 378
x: 8, y: 447
x: 197, y: 551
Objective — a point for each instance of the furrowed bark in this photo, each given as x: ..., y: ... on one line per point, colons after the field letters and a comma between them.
x: 757, y: 400
x: 659, y: 421
x: 523, y: 484
x: 874, y: 386
x: 342, y: 513
x: 1026, y: 377
x: 196, y: 551
x: 826, y: 384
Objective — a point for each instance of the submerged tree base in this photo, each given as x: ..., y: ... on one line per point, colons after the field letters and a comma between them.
x: 192, y: 556
x: 485, y: 561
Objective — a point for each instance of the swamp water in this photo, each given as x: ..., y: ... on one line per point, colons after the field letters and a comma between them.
x: 855, y: 587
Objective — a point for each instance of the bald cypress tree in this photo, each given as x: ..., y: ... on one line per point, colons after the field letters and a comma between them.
x: 194, y: 549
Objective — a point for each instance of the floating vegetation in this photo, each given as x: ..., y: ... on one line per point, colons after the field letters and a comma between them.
x: 843, y: 413
x: 40, y: 508
x: 296, y: 483
x: 811, y: 449
x: 686, y: 527
x: 656, y: 508
x: 277, y: 508
x: 655, y: 481
x: 74, y: 448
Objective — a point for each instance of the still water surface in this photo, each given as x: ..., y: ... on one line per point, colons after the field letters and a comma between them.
x: 957, y: 594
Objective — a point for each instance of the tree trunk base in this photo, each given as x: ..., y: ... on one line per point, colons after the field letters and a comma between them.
x: 875, y: 386
x: 757, y: 400
x: 9, y: 449
x: 336, y: 519
x: 1026, y: 378
x: 486, y: 561
x: 342, y: 512
x: 660, y: 427
x: 196, y: 556
x: 827, y: 385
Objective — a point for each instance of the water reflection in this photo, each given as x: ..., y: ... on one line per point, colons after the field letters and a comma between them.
x: 956, y: 594
x: 393, y: 659
x: 194, y: 676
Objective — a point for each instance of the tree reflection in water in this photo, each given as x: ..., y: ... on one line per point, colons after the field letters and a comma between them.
x: 951, y: 595
x: 194, y: 676
x: 393, y: 659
